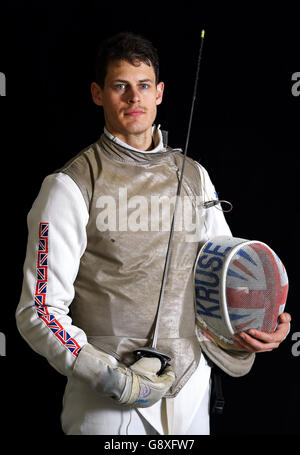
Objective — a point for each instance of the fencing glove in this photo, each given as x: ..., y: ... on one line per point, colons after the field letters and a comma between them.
x: 137, y: 385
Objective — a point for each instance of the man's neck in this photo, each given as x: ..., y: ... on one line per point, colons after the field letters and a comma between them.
x: 140, y: 141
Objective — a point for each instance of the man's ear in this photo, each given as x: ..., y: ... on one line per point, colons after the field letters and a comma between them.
x: 97, y: 94
x: 159, y: 92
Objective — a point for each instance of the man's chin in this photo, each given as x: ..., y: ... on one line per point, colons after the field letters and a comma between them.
x: 136, y: 128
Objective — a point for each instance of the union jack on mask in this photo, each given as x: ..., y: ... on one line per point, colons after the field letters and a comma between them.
x: 239, y: 285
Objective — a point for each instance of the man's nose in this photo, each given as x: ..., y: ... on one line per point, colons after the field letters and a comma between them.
x: 133, y: 96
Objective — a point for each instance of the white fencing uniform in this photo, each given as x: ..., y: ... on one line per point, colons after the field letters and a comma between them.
x: 58, y: 245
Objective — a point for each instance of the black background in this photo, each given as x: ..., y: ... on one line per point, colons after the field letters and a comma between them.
x: 245, y: 132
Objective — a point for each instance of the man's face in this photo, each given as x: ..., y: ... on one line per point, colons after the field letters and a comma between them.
x: 129, y: 98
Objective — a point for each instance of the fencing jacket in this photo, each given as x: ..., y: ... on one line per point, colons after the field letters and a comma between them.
x: 97, y: 240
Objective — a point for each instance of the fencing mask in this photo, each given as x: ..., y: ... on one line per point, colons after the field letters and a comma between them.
x: 239, y: 285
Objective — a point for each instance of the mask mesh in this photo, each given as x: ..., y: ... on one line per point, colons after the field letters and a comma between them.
x: 256, y: 288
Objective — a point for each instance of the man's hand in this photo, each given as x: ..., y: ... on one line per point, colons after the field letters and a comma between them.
x: 147, y: 386
x: 257, y: 341
x: 137, y: 385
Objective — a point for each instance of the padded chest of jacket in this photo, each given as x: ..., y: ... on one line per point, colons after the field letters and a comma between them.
x: 129, y: 196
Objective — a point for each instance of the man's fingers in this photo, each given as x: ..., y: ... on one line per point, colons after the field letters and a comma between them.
x: 252, y: 344
x: 276, y: 337
x: 285, y: 317
x: 257, y: 341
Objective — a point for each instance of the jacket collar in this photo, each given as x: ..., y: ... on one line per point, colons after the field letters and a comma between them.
x: 121, y: 151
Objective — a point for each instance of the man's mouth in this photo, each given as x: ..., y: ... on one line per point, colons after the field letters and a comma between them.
x: 134, y: 112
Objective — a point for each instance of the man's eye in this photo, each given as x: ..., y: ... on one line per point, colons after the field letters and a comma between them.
x: 144, y: 86
x: 120, y: 86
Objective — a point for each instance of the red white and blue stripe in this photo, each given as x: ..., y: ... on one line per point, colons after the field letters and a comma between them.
x: 41, y: 293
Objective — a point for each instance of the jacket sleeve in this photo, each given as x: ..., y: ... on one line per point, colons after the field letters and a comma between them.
x: 56, y: 242
x: 234, y: 363
x: 212, y: 220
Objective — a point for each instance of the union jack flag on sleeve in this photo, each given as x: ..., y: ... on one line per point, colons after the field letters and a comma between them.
x: 56, y: 242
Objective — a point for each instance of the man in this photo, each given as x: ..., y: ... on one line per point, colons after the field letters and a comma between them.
x: 92, y: 244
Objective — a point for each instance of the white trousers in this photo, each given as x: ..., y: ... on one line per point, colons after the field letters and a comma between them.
x: 199, y: 426
x: 87, y: 413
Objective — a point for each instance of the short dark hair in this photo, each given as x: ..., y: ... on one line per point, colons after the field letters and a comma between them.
x: 125, y: 46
